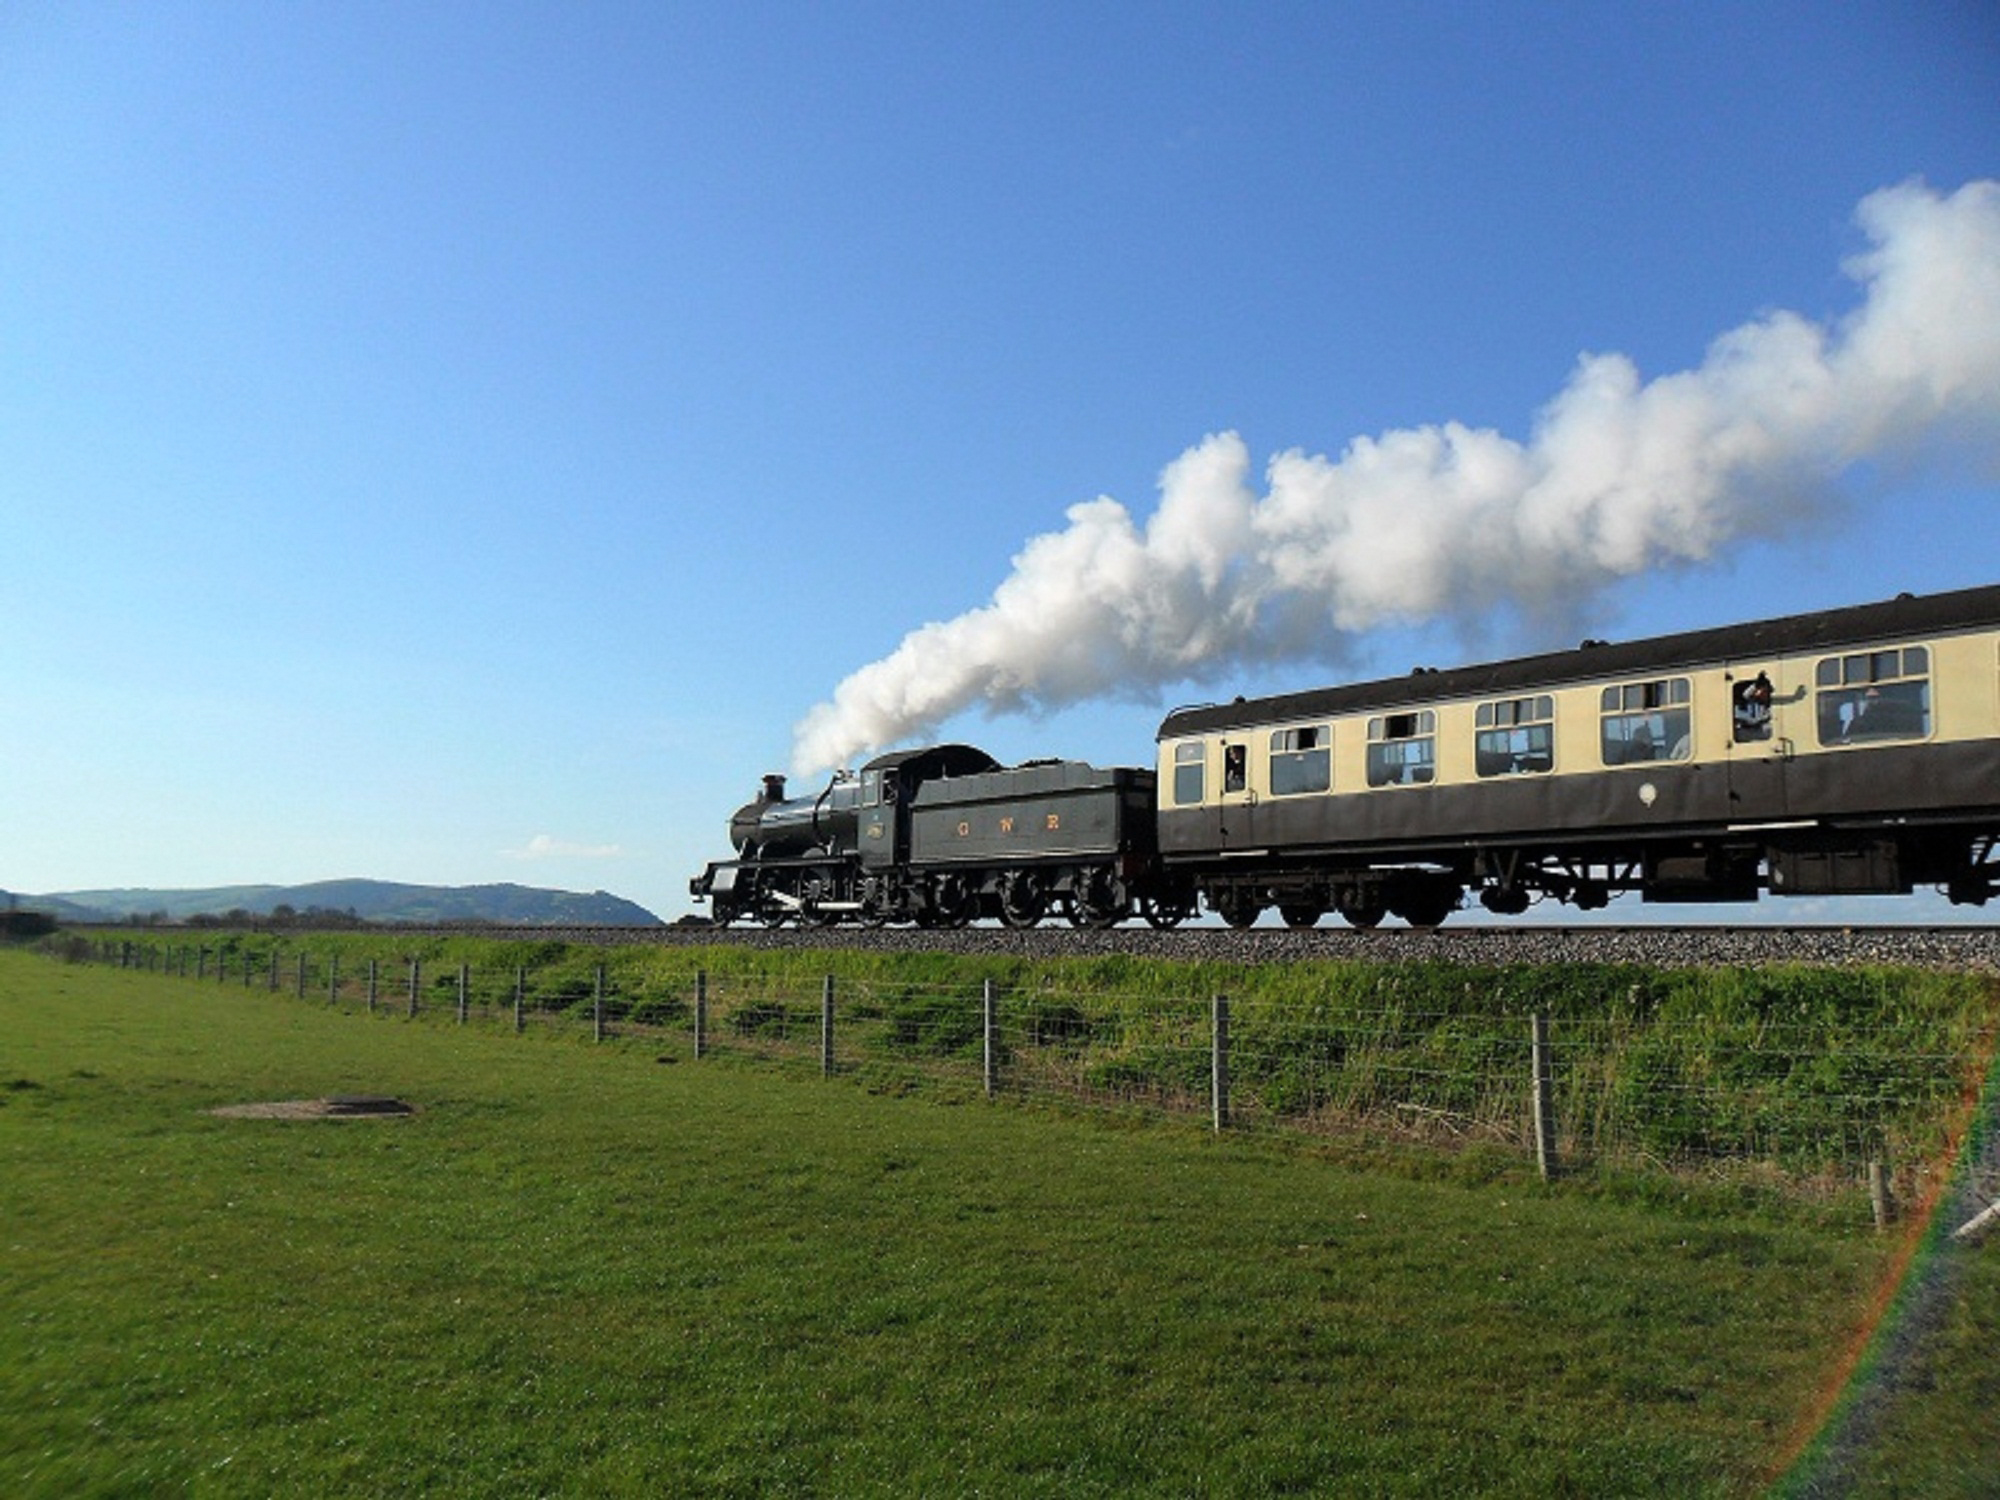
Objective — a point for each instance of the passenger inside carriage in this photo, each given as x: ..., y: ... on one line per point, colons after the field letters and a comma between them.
x: 1896, y: 711
x: 1639, y: 739
x: 1874, y: 695
x: 1752, y: 709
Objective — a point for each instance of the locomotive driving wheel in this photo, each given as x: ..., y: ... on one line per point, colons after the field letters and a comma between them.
x: 818, y: 889
x: 876, y: 906
x: 1165, y: 912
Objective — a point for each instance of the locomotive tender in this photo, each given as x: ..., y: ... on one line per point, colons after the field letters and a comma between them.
x: 1850, y: 752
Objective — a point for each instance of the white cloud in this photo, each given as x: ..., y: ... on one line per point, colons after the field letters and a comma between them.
x: 547, y: 846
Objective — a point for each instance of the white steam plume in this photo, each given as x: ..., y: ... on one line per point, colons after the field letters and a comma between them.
x: 1619, y: 475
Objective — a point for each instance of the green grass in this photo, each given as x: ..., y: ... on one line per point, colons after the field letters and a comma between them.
x: 583, y: 1270
x: 1939, y: 1437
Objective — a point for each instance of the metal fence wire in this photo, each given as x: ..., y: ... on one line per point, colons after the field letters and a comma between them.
x: 1748, y: 1094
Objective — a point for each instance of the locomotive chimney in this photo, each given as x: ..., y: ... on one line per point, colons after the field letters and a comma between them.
x: 774, y: 787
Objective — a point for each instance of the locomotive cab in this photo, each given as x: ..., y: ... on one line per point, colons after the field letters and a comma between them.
x: 889, y: 785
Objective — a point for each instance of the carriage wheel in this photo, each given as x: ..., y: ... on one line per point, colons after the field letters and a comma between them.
x: 1238, y: 911
x: 1363, y: 913
x: 1429, y: 904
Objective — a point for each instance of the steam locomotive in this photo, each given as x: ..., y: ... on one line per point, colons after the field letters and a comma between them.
x: 1850, y: 752
x: 944, y: 835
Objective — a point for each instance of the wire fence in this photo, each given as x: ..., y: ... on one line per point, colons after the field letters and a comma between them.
x: 1751, y: 1097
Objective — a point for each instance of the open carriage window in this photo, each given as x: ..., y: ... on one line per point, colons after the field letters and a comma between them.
x: 1642, y: 722
x: 1515, y: 736
x: 1750, y: 708
x: 1235, y: 767
x: 1301, y: 760
x: 1402, y: 749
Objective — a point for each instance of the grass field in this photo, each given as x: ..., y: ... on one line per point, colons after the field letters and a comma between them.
x: 582, y: 1270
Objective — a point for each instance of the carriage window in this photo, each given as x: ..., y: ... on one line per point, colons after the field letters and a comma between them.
x: 1750, y: 700
x: 1235, y: 767
x: 1874, y: 695
x: 1402, y: 749
x: 1646, y: 721
x: 1301, y: 760
x: 1190, y: 773
x: 871, y: 788
x: 1515, y: 736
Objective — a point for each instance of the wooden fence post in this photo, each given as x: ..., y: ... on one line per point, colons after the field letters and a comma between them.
x: 464, y: 976
x: 597, y: 1007
x: 826, y: 1027
x: 415, y: 966
x: 302, y: 974
x: 700, y: 1014
x: 1219, y: 1061
x: 333, y: 980
x: 1545, y: 1096
x: 520, y: 994
x: 201, y: 964
x: 371, y: 986
x: 989, y: 1024
x: 1880, y: 1199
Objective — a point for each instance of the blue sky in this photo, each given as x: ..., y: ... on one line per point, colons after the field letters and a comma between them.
x: 458, y: 443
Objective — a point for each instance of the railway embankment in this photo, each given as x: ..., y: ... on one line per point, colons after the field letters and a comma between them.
x: 1967, y: 948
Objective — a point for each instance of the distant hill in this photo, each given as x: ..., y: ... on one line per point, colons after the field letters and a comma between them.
x: 370, y: 900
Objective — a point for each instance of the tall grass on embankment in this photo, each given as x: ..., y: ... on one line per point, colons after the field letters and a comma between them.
x: 1784, y: 1078
x: 580, y: 1270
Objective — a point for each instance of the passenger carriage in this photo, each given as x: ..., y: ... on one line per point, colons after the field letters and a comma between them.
x: 1855, y: 751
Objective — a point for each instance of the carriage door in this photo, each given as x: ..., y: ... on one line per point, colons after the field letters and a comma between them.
x: 1768, y: 709
x: 1239, y: 798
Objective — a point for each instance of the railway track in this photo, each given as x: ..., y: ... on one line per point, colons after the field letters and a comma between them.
x: 1968, y: 947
